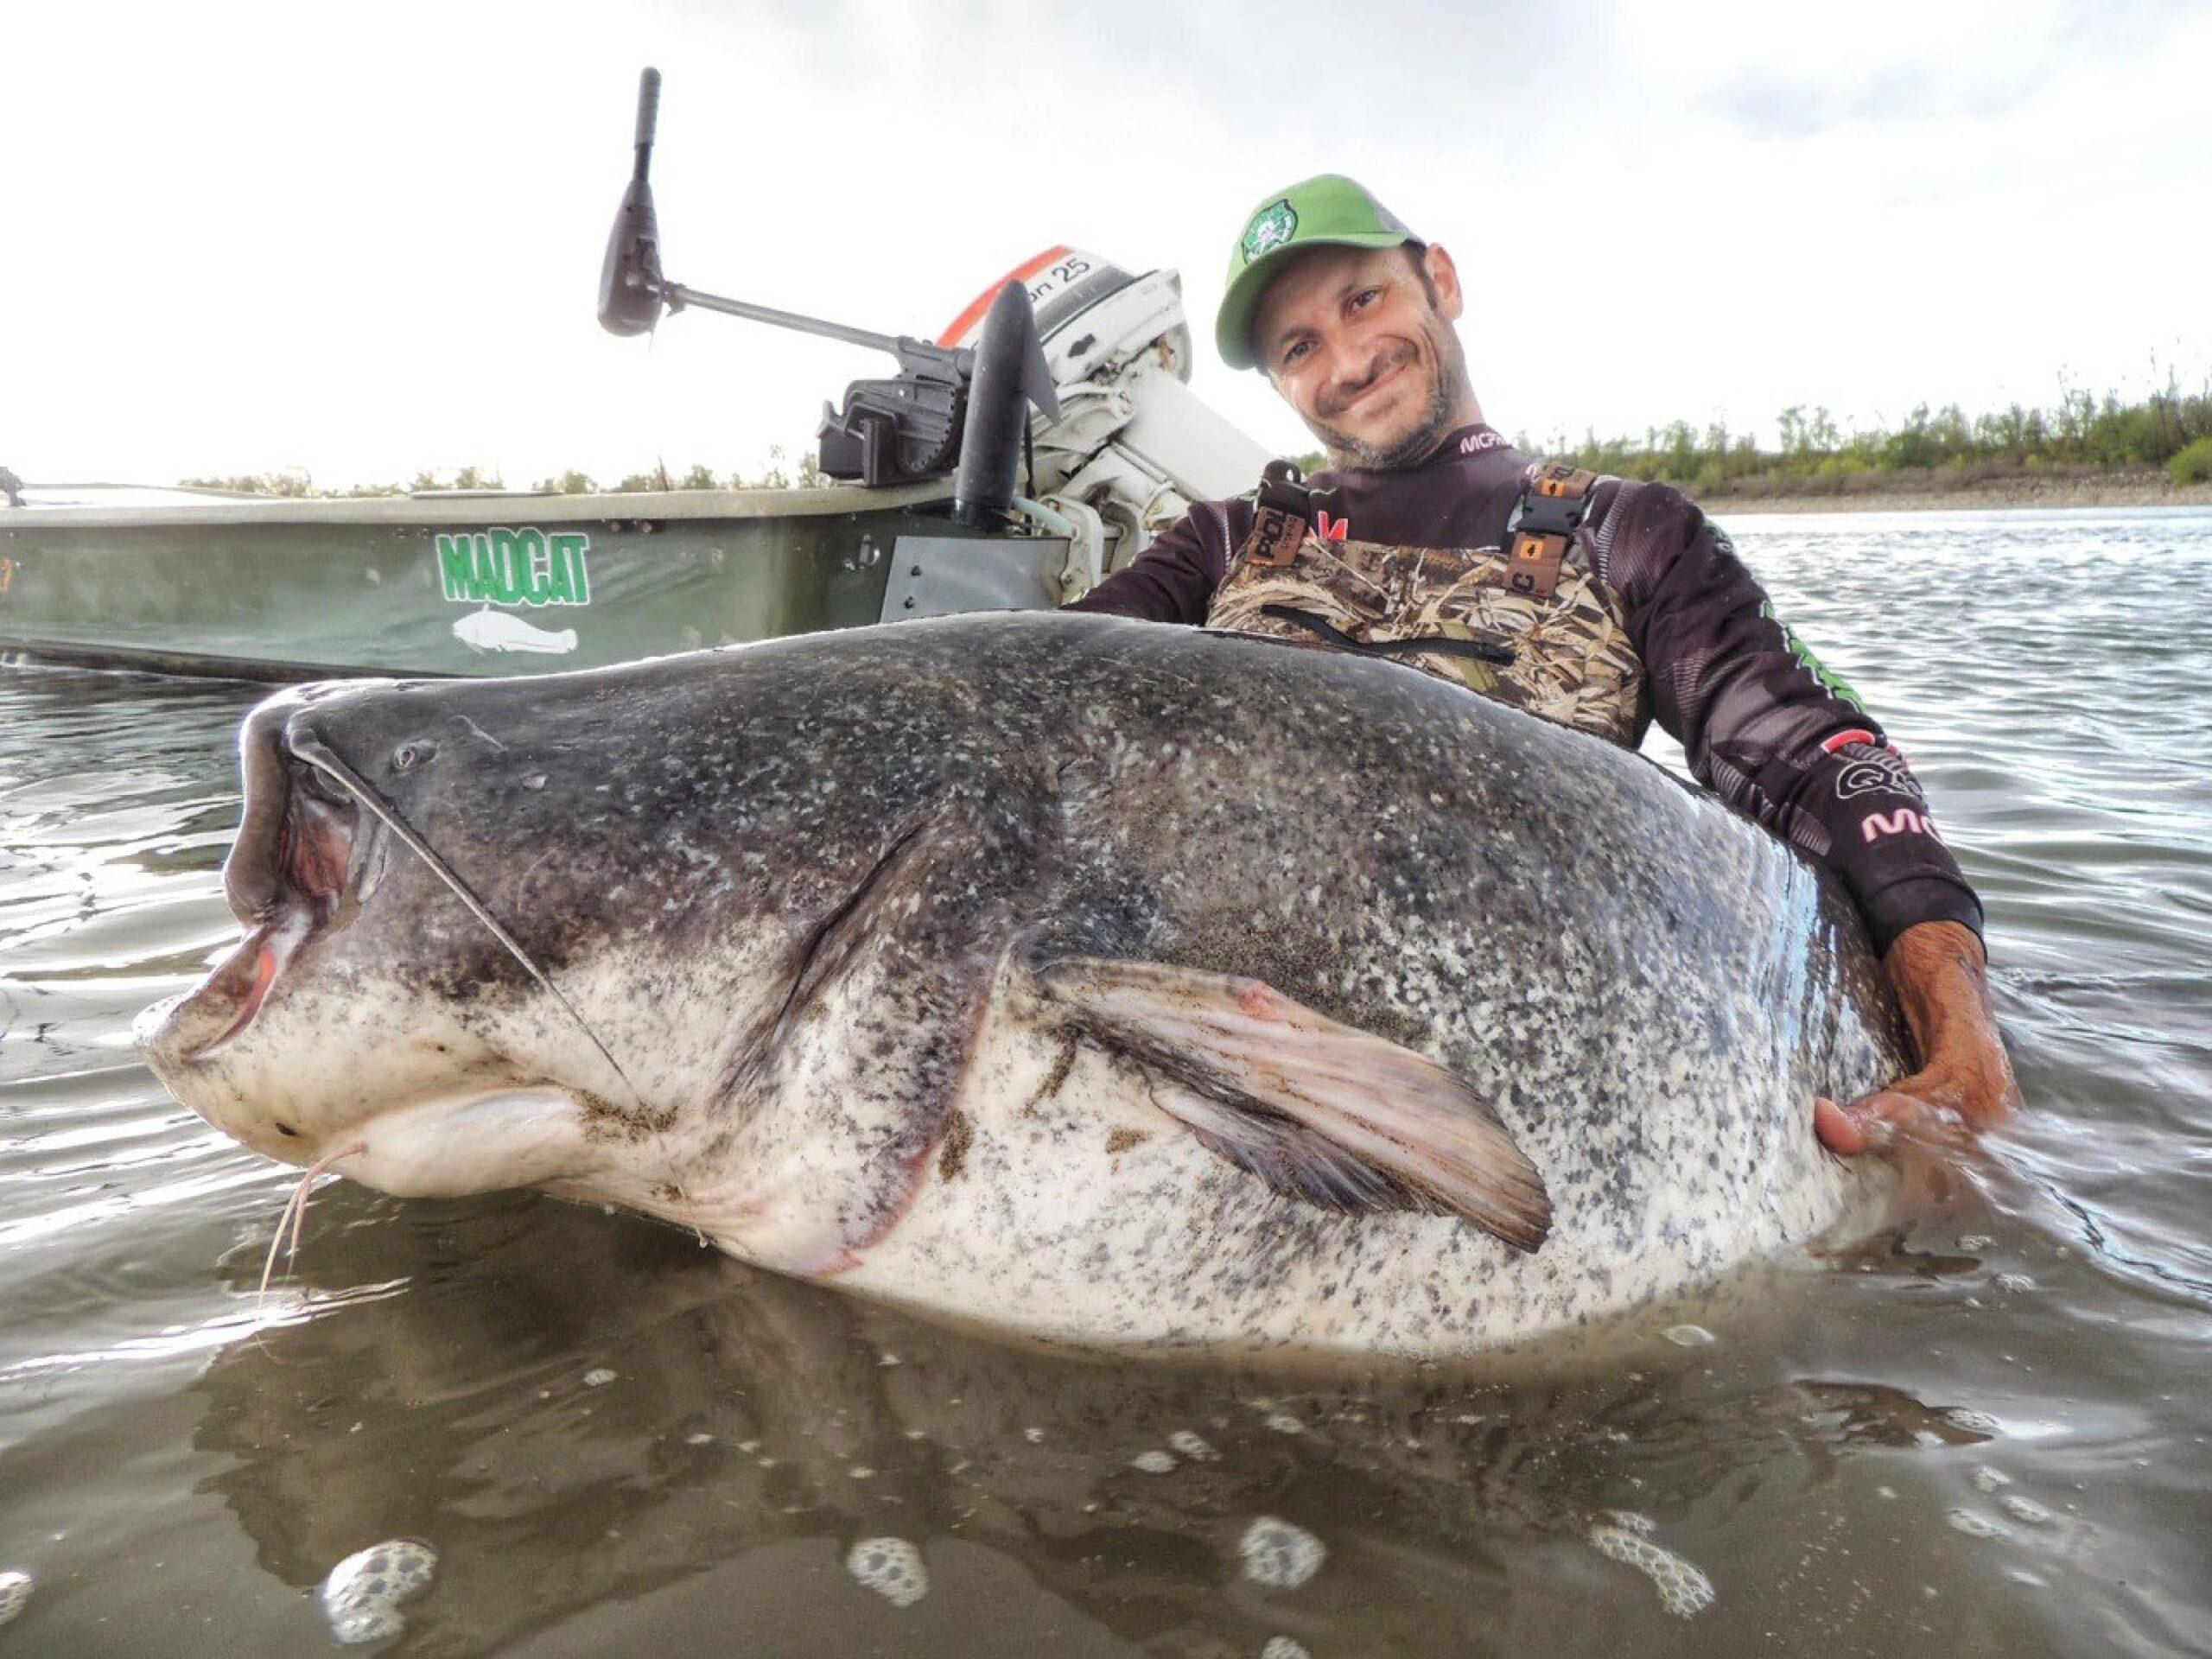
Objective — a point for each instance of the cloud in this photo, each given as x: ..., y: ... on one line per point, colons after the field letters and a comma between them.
x: 1771, y: 103
x: 1987, y: 82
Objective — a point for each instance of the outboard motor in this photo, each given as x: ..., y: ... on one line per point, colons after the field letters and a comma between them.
x: 1132, y: 447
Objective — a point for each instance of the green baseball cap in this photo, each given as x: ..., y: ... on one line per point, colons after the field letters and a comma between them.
x: 1319, y: 212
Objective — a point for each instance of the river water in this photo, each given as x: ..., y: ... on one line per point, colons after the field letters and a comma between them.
x: 1984, y: 1433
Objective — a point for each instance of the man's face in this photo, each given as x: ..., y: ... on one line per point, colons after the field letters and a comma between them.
x: 1350, y: 337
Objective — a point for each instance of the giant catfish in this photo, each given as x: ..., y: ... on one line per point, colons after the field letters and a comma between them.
x: 1098, y: 981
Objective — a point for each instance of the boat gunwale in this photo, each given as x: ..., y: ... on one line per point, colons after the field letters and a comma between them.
x: 482, y: 508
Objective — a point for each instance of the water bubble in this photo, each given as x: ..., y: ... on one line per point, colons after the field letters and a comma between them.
x: 1282, y: 1647
x: 700, y: 1438
x: 1153, y: 1463
x: 1683, y: 1590
x: 2014, y: 1283
x: 1973, y: 1240
x: 1283, y: 1423
x: 2025, y: 1509
x: 1988, y: 1479
x: 362, y: 1595
x: 14, y: 1591
x: 892, y: 1567
x: 1191, y: 1447
x: 1974, y: 1525
x: 1629, y: 1521
x: 1278, y: 1555
x: 599, y: 1378
x: 1034, y: 1436
x: 1689, y: 1336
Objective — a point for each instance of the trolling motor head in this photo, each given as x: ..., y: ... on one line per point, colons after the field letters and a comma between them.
x: 947, y: 406
x: 629, y: 278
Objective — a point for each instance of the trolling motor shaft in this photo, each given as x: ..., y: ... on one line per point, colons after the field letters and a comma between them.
x: 915, y: 425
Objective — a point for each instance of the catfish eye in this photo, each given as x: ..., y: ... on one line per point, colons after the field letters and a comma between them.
x: 408, y: 756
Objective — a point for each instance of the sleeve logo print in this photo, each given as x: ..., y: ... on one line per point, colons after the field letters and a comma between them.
x: 1903, y: 822
x: 1871, y: 770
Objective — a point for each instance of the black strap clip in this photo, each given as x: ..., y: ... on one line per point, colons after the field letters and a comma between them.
x: 1544, y: 514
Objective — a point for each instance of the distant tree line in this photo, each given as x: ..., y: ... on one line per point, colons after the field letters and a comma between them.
x: 2081, y: 433
x: 780, y: 474
x: 2169, y: 428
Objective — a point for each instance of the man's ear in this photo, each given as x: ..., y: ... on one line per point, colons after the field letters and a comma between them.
x: 1450, y: 303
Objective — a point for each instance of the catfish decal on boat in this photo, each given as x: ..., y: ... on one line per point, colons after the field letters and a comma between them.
x: 490, y: 630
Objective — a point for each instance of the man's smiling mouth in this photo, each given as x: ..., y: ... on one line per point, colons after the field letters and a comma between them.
x: 1387, y: 377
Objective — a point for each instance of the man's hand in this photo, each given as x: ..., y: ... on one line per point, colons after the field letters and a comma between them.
x: 1965, y: 1080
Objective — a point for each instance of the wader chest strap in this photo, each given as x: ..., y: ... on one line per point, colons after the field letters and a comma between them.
x: 1285, y: 508
x: 1550, y: 510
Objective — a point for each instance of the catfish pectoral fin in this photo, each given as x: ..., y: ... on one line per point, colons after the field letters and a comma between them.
x: 1319, y: 1110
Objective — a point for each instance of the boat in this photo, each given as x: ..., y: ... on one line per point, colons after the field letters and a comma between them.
x: 487, y: 584
x: 1036, y: 443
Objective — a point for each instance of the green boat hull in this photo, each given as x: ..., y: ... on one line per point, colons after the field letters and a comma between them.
x: 488, y: 585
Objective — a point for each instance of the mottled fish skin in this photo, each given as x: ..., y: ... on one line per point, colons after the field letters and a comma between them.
x: 799, y: 890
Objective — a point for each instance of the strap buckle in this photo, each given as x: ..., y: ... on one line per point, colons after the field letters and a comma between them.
x: 1285, y: 506
x: 1550, y: 511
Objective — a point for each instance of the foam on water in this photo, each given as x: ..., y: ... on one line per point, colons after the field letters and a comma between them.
x: 1684, y: 1590
x: 892, y: 1567
x: 363, y: 1594
x: 1279, y: 1555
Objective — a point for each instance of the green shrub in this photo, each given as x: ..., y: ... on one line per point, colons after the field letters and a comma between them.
x: 2192, y: 465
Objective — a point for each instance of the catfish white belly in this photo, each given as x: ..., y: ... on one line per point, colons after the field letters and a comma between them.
x: 1072, y: 1203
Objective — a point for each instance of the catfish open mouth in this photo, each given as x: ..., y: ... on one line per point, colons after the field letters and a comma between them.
x: 286, y: 879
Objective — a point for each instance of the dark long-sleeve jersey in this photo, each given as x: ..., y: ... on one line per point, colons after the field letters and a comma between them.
x: 1775, y: 734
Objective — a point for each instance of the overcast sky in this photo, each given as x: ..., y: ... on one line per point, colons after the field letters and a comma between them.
x: 366, y: 240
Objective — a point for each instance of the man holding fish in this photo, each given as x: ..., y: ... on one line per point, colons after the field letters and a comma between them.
x: 1596, y: 603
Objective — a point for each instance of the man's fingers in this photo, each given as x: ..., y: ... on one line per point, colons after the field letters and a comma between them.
x: 1840, y: 1131
x: 1878, y: 1121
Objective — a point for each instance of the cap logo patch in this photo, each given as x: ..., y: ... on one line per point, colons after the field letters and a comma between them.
x: 1271, y: 227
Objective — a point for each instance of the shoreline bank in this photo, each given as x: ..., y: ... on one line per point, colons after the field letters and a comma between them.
x: 1931, y: 493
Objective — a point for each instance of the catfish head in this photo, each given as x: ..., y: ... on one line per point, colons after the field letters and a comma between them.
x: 474, y: 920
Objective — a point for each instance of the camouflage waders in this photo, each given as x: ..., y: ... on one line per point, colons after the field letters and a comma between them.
x: 1529, y: 624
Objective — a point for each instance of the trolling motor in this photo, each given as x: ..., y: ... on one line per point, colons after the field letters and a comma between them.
x: 948, y: 408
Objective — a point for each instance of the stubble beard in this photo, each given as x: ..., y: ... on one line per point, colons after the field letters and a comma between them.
x: 1437, y: 422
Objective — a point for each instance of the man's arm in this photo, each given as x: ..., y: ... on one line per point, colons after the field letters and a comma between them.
x: 1172, y: 579
x: 1788, y: 743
